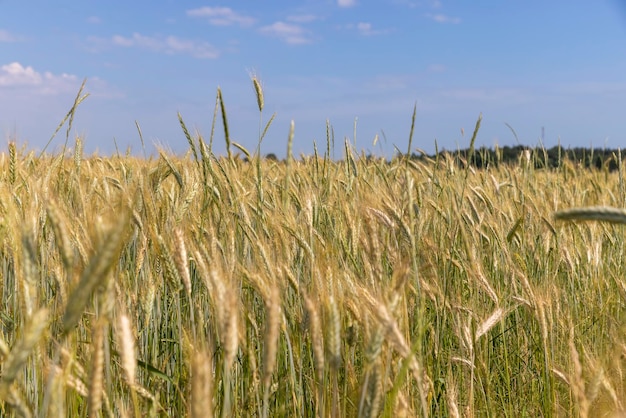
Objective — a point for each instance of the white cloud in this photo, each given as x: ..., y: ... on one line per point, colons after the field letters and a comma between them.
x: 289, y: 33
x: 346, y: 3
x: 15, y: 75
x: 168, y: 45
x: 94, y: 20
x: 441, y: 18
x: 221, y: 16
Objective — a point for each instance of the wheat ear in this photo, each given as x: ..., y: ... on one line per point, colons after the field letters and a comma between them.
x: 95, y: 273
x: 22, y: 350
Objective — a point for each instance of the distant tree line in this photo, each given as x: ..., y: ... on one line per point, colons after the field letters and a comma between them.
x: 599, y: 158
x: 538, y: 157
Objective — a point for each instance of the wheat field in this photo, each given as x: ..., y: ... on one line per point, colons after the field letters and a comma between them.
x: 199, y: 285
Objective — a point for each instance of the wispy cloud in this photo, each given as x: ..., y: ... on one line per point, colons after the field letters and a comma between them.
x: 287, y: 32
x: 408, y: 3
x: 168, y: 45
x: 346, y: 3
x: 94, y: 20
x: 441, y: 18
x: 6, y: 36
x: 363, y: 28
x: 366, y: 29
x: 591, y: 88
x: 15, y: 75
x: 221, y: 16
x: 390, y: 82
x: 497, y: 95
x: 436, y: 68
x: 302, y: 18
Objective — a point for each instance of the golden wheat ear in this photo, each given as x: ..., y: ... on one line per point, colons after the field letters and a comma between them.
x: 105, y: 257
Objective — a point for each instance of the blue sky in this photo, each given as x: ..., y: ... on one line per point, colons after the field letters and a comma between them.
x: 555, y: 64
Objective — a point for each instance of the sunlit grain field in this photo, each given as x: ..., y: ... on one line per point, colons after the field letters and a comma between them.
x: 197, y: 285
x: 203, y: 285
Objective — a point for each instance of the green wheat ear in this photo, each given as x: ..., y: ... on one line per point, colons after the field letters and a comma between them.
x: 259, y: 92
x: 593, y: 213
x: 225, y: 122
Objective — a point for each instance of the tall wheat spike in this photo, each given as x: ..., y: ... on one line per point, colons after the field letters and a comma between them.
x: 260, y: 100
x: 225, y: 122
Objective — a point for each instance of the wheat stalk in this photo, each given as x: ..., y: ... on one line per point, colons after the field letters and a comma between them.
x: 96, y: 377
x: 317, y: 337
x: 201, y: 385
x: 576, y: 381
x: 370, y: 403
x: 593, y: 213
x: 272, y: 332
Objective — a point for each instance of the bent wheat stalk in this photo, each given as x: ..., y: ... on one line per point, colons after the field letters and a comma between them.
x: 593, y: 213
